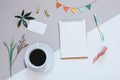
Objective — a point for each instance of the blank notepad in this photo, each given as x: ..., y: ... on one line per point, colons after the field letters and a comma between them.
x: 73, y: 41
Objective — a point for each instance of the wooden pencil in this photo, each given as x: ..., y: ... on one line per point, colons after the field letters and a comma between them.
x: 69, y: 58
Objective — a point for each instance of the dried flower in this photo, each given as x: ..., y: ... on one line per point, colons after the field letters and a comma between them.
x: 20, y: 46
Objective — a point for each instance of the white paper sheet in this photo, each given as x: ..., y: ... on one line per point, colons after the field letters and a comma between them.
x: 73, y: 38
x: 37, y: 27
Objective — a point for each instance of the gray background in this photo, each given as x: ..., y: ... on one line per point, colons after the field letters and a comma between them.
x: 105, y: 10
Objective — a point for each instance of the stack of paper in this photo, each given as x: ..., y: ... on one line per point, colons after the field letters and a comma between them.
x: 73, y: 40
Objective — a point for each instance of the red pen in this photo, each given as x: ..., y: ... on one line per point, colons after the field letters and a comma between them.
x: 100, y: 54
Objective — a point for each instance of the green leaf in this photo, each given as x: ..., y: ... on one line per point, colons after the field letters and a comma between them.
x: 19, y: 23
x: 30, y: 18
x: 22, y: 13
x: 26, y: 15
x: 18, y: 17
x: 10, y: 60
x: 11, y: 53
x: 25, y: 23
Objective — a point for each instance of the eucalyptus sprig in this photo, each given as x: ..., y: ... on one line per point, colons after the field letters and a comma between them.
x: 23, y: 17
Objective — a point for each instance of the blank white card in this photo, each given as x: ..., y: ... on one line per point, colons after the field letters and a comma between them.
x: 73, y: 41
x: 37, y: 27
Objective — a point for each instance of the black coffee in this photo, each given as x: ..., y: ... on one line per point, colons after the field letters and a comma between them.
x: 37, y: 57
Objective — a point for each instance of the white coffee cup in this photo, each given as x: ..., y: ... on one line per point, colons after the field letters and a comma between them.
x: 46, y: 55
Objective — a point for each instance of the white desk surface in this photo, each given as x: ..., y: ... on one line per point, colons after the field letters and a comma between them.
x: 106, y: 68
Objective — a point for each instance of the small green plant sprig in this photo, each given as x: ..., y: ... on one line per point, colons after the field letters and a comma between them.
x: 10, y: 49
x: 23, y: 17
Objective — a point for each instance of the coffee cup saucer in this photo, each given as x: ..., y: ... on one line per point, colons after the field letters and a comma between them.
x: 50, y: 56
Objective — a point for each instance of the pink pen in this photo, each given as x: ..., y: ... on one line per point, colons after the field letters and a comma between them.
x: 100, y: 54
